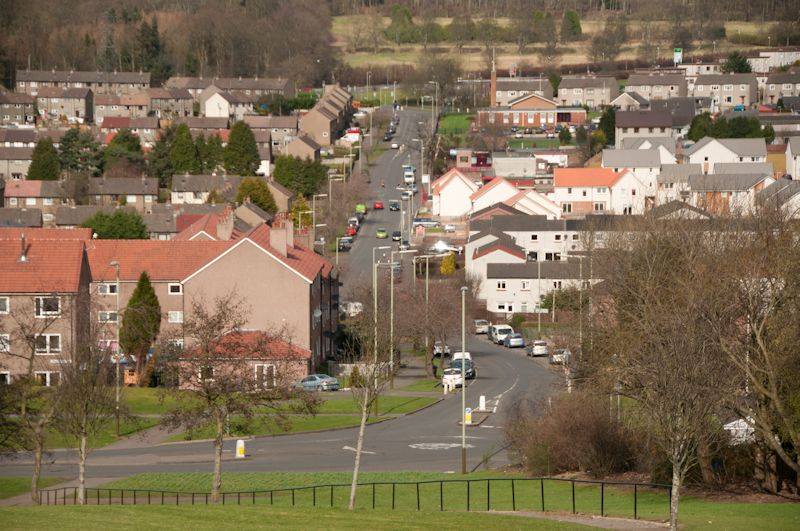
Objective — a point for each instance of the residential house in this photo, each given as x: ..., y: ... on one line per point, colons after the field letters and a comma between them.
x: 303, y: 147
x: 170, y: 103
x: 44, y: 292
x: 775, y: 58
x: 793, y: 157
x: 218, y: 103
x: 532, y: 111
x: 284, y: 198
x: 72, y: 105
x: 658, y: 85
x: 588, y: 91
x: 18, y: 137
x: 677, y: 209
x: 683, y: 111
x: 642, y: 124
x: 540, y: 238
x: 321, y: 124
x: 20, y: 217
x: 722, y: 194
x: 139, y: 193
x: 644, y: 163
x: 16, y: 108
x: 666, y: 147
x: 730, y: 168
x: 727, y: 91
x: 451, y: 194
x: 504, y: 90
x: 14, y: 162
x: 31, y: 81
x: 710, y: 151
x: 693, y: 70
x: 673, y: 182
x: 776, y: 155
x: 252, y: 86
x: 108, y: 105
x: 502, y: 191
x: 136, y: 105
x: 781, y: 85
x: 783, y: 193
x: 204, y: 124
x: 630, y: 101
x: 584, y: 191
x: 44, y: 195
x: 146, y: 128
x: 197, y: 189
x: 490, y: 247
x: 282, y: 130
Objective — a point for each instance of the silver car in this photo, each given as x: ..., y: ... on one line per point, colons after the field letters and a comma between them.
x: 515, y: 340
x: 318, y: 382
x: 481, y: 326
x: 560, y: 356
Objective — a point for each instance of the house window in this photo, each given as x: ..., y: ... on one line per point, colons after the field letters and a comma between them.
x: 47, y: 378
x: 12, y: 201
x: 265, y: 375
x: 107, y: 289
x: 48, y: 306
x: 601, y: 190
x: 5, y: 342
x: 30, y: 201
x: 556, y: 284
x: 569, y: 190
x: 5, y: 378
x: 175, y: 289
x: 501, y: 284
x: 558, y: 237
x: 48, y: 201
x: 534, y: 237
x: 4, y: 305
x: 525, y: 285
x: 175, y: 317
x: 523, y: 307
x: 107, y: 317
x: 48, y: 343
x: 599, y: 207
x: 130, y: 199
x: 148, y: 199
x: 566, y: 208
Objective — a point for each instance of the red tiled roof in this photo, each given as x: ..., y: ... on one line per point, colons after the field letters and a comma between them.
x: 588, y: 177
x: 776, y: 148
x: 442, y: 181
x: 497, y: 246
x: 255, y: 345
x: 163, y: 260
x: 20, y: 188
x: 116, y: 122
x: 13, y: 233
x: 185, y: 221
x: 304, y: 261
x: 497, y: 181
x: 49, y: 267
x: 511, y: 201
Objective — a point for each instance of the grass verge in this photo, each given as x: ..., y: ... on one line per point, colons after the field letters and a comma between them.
x: 388, y: 404
x: 14, y: 486
x: 425, y: 385
x: 105, y: 436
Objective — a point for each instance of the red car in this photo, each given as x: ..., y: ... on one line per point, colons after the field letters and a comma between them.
x: 351, y: 231
x: 377, y: 205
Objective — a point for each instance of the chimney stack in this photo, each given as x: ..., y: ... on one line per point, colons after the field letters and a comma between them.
x: 23, y: 254
x: 493, y: 85
x: 277, y: 238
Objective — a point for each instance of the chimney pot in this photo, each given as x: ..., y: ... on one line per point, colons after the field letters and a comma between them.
x: 23, y: 255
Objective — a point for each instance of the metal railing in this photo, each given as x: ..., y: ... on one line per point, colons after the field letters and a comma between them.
x: 518, y: 493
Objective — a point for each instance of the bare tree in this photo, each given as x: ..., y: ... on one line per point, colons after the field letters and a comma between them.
x: 224, y: 372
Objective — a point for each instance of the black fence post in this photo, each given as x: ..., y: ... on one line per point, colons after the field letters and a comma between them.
x: 206, y: 499
x: 635, y: 508
x: 75, y: 496
x: 193, y: 498
x: 315, y: 496
x: 109, y: 496
x: 332, y: 496
x: 573, y: 496
x: 162, y: 498
x: 98, y: 496
x: 177, y: 498
x: 148, y: 497
x: 441, y: 495
x: 270, y: 498
x: 418, y: 496
x: 373, y: 495
x: 292, y: 497
x: 238, y: 498
x: 513, y: 497
x: 542, y: 485
x: 134, y: 496
x: 393, y: 486
x: 488, y: 494
x: 122, y: 496
x: 223, y: 498
x: 254, y: 497
x: 602, y: 498
x: 468, y: 482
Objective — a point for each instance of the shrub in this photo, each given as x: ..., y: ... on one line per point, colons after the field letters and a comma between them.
x: 575, y: 433
x: 517, y: 321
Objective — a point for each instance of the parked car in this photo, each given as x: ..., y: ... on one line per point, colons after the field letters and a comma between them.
x: 318, y: 382
x: 462, y: 355
x: 377, y: 205
x: 537, y: 348
x: 387, y: 136
x: 518, y: 134
x: 395, y: 145
x: 469, y: 367
x: 396, y: 236
x: 351, y: 308
x: 404, y: 245
x: 481, y: 326
x: 449, y: 228
x: 497, y: 333
x: 351, y: 230
x: 361, y: 208
x: 354, y: 221
x: 425, y: 222
x: 394, y: 205
x: 515, y: 340
x: 440, y: 349
x: 561, y: 356
x: 381, y: 234
x: 345, y: 243
x: 443, y: 247
x: 452, y: 377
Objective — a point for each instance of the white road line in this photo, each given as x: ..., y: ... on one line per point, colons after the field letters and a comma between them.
x: 353, y: 450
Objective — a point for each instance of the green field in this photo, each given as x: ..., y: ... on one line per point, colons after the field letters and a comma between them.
x: 106, y: 436
x: 14, y: 486
x: 527, y: 143
x: 424, y: 386
x: 695, y: 513
x: 227, y: 517
x: 455, y: 124
x: 389, y: 404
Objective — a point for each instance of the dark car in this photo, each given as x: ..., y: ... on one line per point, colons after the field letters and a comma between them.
x: 387, y: 137
x: 469, y: 367
x: 394, y: 206
x: 345, y: 243
x: 396, y: 236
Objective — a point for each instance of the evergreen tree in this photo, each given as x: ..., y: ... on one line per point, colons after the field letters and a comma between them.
x: 256, y: 189
x: 44, y: 165
x: 159, y: 163
x: 736, y: 63
x: 564, y: 137
x: 303, y: 177
x: 213, y: 154
x: 581, y: 136
x: 80, y: 152
x: 301, y: 217
x: 124, y: 147
x: 700, y: 127
x: 608, y: 122
x: 200, y: 148
x: 182, y: 153
x: 571, y: 26
x: 241, y: 154
x: 141, y: 323
x: 122, y: 224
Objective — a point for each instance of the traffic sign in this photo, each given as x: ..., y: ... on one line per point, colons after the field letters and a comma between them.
x: 468, y: 416
x: 678, y: 55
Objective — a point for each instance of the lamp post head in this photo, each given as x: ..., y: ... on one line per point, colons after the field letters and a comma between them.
x: 464, y: 289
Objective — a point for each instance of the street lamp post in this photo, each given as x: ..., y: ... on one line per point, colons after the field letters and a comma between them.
x: 422, y: 161
x: 118, y: 353
x: 330, y: 187
x: 375, y: 312
x: 314, y: 217
x: 463, y: 380
x: 434, y: 106
x: 391, y: 311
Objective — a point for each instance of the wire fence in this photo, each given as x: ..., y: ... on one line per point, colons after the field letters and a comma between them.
x: 605, y: 498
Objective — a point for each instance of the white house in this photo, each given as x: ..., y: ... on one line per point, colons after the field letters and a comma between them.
x: 533, y: 203
x: 664, y: 146
x: 451, y: 194
x: 644, y: 163
x: 498, y: 190
x: 709, y: 151
x: 642, y: 124
x: 673, y: 182
x: 487, y: 248
x: 217, y: 103
x: 793, y: 157
x: 582, y: 191
x: 540, y: 238
x: 727, y: 193
x: 784, y: 193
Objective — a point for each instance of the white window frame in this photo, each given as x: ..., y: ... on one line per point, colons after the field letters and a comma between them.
x: 7, y: 305
x: 172, y: 285
x: 525, y: 285
x: 130, y: 198
x: 107, y: 288
x: 175, y: 317
x: 12, y: 201
x: 7, y: 375
x: 105, y: 316
x: 265, y: 367
x: 5, y: 342
x: 48, y: 380
x: 48, y: 351
x: 43, y: 314
x: 30, y: 201
x: 501, y: 284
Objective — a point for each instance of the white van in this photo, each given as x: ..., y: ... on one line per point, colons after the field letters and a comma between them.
x: 497, y: 333
x: 408, y: 177
x: 459, y: 355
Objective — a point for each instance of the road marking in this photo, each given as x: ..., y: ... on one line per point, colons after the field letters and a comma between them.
x: 353, y: 450
x: 437, y: 446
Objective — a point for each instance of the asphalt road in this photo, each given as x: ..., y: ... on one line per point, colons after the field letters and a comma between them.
x: 427, y: 440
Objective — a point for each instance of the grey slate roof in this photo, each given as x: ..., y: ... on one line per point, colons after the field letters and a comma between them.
x: 635, y: 95
x: 643, y: 119
x: 678, y: 173
x: 783, y: 77
x: 655, y: 141
x: 655, y: 79
x: 571, y: 82
x: 16, y: 153
x: 564, y: 269
x: 779, y: 192
x: 13, y: 134
x: 530, y: 84
x: 683, y: 110
x: 20, y: 217
x: 728, y: 168
x: 672, y: 207
x: 123, y: 186
x: 256, y: 121
x: 517, y: 223
x: 83, y: 76
x: 204, y: 122
x: 744, y: 147
x: 722, y: 79
x: 160, y: 222
x: 204, y: 183
x: 631, y: 158
x: 724, y: 183
x: 16, y: 98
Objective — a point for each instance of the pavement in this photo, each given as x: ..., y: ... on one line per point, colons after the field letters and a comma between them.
x: 428, y: 440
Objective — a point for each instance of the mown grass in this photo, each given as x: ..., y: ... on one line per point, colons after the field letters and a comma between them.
x: 527, y: 143
x: 14, y: 486
x: 387, y: 404
x: 423, y: 386
x: 107, y: 435
x: 228, y: 517
x: 455, y: 124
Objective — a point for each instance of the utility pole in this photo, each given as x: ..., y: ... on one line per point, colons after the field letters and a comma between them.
x: 539, y: 288
x: 118, y: 352
x: 463, y: 380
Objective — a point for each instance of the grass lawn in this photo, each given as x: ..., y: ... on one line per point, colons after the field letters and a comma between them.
x: 527, y: 143
x: 298, y: 424
x: 424, y: 385
x: 106, y: 436
x: 148, y: 400
x: 695, y: 513
x: 386, y: 404
x: 228, y: 517
x: 456, y: 123
x: 14, y: 486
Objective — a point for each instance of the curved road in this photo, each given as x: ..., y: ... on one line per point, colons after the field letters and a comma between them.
x: 427, y: 440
